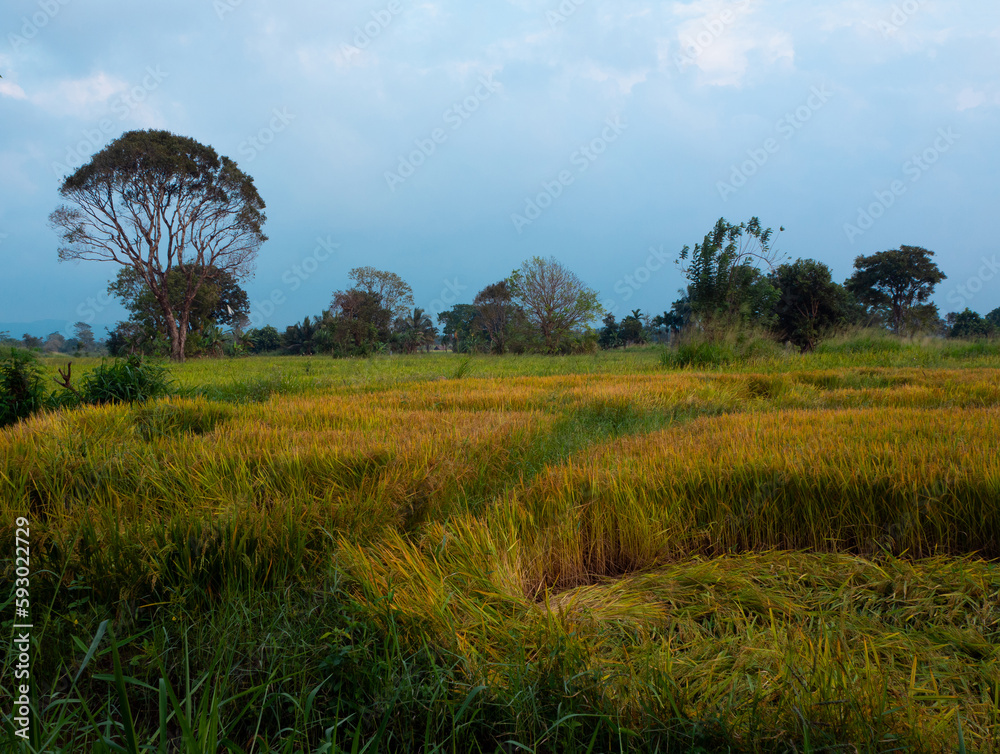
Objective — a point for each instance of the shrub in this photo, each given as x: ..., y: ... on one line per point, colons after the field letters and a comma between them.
x: 699, y: 354
x: 129, y: 380
x: 862, y: 341
x: 719, y: 347
x: 22, y: 391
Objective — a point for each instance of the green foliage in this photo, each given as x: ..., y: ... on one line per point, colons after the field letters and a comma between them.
x: 608, y: 336
x: 497, y: 314
x: 255, y: 388
x: 129, y: 380
x: 84, y: 337
x: 632, y: 330
x: 415, y: 331
x: 298, y: 338
x: 54, y: 343
x: 32, y: 342
x: 676, y: 319
x: 388, y: 288
x: 359, y: 322
x: 968, y: 324
x: 219, y: 301
x: 462, y: 328
x: 720, y: 348
x: 22, y: 391
x: 893, y: 283
x: 556, y: 303
x: 725, y: 279
x: 868, y: 341
x: 266, y: 339
x: 810, y: 304
x: 199, y: 213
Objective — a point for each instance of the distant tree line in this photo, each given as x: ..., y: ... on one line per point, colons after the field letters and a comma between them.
x: 82, y: 343
x: 735, y: 279
x: 186, y: 225
x: 541, y: 307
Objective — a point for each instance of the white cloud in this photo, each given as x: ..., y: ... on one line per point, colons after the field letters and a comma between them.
x: 969, y: 98
x: 623, y: 80
x: 10, y: 89
x: 85, y: 98
x: 720, y: 38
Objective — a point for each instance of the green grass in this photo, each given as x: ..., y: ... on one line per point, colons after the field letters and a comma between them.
x: 451, y: 553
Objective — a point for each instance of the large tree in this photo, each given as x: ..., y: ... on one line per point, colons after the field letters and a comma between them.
x: 415, y: 331
x: 219, y: 301
x: 461, y: 327
x: 810, y: 304
x: 495, y: 307
x: 727, y: 271
x: 360, y: 322
x: 895, y: 283
x: 84, y: 337
x: 968, y: 324
x: 554, y: 300
x: 159, y: 202
x: 393, y: 292
x: 633, y: 328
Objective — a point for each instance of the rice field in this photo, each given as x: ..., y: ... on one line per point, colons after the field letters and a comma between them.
x: 589, y: 553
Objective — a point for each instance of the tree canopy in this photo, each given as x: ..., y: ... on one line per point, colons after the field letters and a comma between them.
x: 809, y: 302
x: 394, y: 293
x: 495, y: 311
x: 895, y: 282
x: 158, y: 202
x: 219, y: 301
x: 726, y: 272
x: 554, y: 300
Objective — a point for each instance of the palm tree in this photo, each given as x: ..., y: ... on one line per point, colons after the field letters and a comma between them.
x: 416, y: 331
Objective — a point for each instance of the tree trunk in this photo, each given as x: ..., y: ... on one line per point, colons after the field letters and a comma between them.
x: 178, y: 351
x: 176, y: 337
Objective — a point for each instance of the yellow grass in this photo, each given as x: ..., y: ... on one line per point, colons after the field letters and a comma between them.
x: 791, y: 552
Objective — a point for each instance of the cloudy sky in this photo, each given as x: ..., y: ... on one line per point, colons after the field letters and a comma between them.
x: 448, y: 141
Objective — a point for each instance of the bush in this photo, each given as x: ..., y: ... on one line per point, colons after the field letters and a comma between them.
x: 129, y: 380
x: 720, y: 348
x: 698, y: 354
x: 22, y: 391
x: 862, y: 341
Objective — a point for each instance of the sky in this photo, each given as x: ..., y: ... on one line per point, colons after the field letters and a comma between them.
x: 450, y: 141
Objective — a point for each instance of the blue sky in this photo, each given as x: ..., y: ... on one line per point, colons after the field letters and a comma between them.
x: 450, y: 141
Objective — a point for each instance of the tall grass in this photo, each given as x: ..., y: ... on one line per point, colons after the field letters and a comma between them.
x: 444, y: 555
